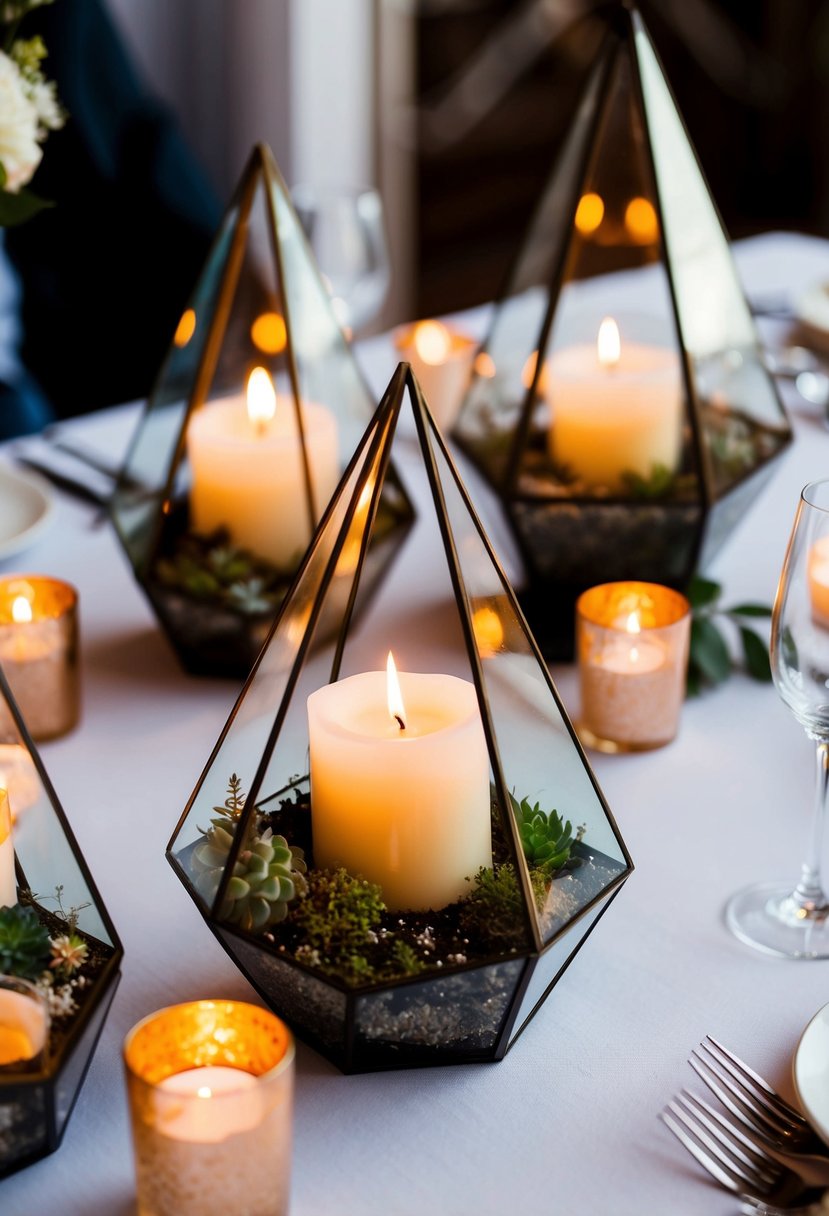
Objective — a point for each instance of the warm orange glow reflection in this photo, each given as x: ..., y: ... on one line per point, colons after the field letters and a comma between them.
x: 609, y: 344
x: 488, y: 630
x: 261, y: 399
x: 397, y: 709
x: 589, y: 213
x: 268, y: 333
x: 485, y: 365
x: 185, y: 328
x: 5, y: 816
x: 432, y: 341
x: 21, y: 610
x: 640, y: 221
x: 528, y: 371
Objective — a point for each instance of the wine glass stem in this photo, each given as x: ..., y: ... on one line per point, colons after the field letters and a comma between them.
x: 809, y: 893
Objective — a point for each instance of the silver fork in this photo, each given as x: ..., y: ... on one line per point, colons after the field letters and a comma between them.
x: 753, y: 1101
x: 747, y: 1173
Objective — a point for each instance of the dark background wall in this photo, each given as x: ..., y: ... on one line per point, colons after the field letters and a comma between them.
x: 496, y: 89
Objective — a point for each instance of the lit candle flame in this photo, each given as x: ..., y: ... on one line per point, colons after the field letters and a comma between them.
x: 589, y: 213
x: 634, y: 626
x: 397, y: 709
x: 261, y: 399
x: 432, y: 341
x: 609, y: 344
x: 204, y: 1091
x: 21, y: 610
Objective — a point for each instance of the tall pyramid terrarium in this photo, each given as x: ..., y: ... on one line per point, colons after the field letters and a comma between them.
x: 398, y: 837
x: 621, y: 408
x: 59, y: 954
x: 256, y: 409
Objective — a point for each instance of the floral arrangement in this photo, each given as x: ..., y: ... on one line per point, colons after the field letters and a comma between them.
x: 29, y: 110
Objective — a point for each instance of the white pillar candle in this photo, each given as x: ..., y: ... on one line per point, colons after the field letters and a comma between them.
x: 408, y: 809
x: 441, y: 359
x: 8, y: 882
x: 818, y: 576
x: 248, y: 475
x: 615, y: 408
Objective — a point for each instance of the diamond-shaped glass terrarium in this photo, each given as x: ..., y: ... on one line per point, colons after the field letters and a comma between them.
x: 60, y: 956
x: 244, y: 438
x: 403, y: 881
x: 633, y: 444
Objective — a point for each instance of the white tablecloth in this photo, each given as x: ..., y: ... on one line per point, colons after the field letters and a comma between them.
x: 567, y: 1122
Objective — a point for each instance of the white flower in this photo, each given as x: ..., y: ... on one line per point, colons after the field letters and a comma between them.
x: 50, y: 116
x: 20, y: 152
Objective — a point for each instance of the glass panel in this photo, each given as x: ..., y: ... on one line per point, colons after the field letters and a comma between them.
x: 315, y: 1008
x: 548, y: 967
x: 24, y: 1125
x: 743, y: 420
x: 47, y: 866
x: 457, y: 1015
x: 71, y: 1076
x: 576, y: 851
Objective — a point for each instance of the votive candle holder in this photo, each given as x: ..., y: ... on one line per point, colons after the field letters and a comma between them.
x: 632, y: 643
x: 210, y: 1088
x: 39, y: 652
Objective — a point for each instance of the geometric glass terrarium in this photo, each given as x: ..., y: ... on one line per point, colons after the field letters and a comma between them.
x: 59, y: 954
x: 634, y: 441
x: 243, y: 440
x: 402, y: 872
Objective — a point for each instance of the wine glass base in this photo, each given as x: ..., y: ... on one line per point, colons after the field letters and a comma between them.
x: 766, y: 917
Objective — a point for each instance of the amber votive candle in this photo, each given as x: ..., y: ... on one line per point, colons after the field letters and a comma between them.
x: 24, y: 1025
x: 632, y: 643
x: 39, y: 652
x: 210, y: 1088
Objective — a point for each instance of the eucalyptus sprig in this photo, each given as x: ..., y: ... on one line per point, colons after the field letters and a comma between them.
x: 710, y: 661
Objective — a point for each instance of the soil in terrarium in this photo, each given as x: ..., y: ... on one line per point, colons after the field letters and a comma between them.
x: 336, y: 923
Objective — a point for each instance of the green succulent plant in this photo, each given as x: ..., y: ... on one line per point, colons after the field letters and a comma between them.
x: 545, y: 837
x: 267, y: 874
x: 25, y: 947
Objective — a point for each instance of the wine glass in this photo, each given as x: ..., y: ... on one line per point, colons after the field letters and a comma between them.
x: 346, y: 231
x: 773, y: 917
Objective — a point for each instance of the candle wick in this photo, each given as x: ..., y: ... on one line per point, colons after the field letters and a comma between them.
x: 400, y: 721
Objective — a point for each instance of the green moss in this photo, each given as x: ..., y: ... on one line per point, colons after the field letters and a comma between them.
x: 494, y: 912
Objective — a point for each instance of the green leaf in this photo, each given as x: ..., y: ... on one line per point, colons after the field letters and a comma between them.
x: 756, y: 655
x: 17, y: 208
x: 709, y: 652
x: 749, y: 610
x: 702, y: 591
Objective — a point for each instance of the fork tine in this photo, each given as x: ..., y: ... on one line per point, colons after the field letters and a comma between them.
x: 732, y: 1139
x: 739, y: 1165
x: 782, y: 1108
x: 743, y: 1090
x: 740, y: 1103
x: 724, y: 1177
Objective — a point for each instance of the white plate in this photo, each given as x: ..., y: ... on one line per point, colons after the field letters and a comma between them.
x: 811, y: 1072
x: 811, y: 309
x: 25, y: 510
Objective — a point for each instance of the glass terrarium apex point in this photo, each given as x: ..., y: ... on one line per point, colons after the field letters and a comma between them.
x: 398, y: 837
x: 242, y: 443
x: 620, y: 406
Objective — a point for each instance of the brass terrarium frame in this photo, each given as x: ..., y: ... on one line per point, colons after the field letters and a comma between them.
x: 472, y: 1005
x: 625, y: 219
x: 53, y: 882
x: 260, y: 301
